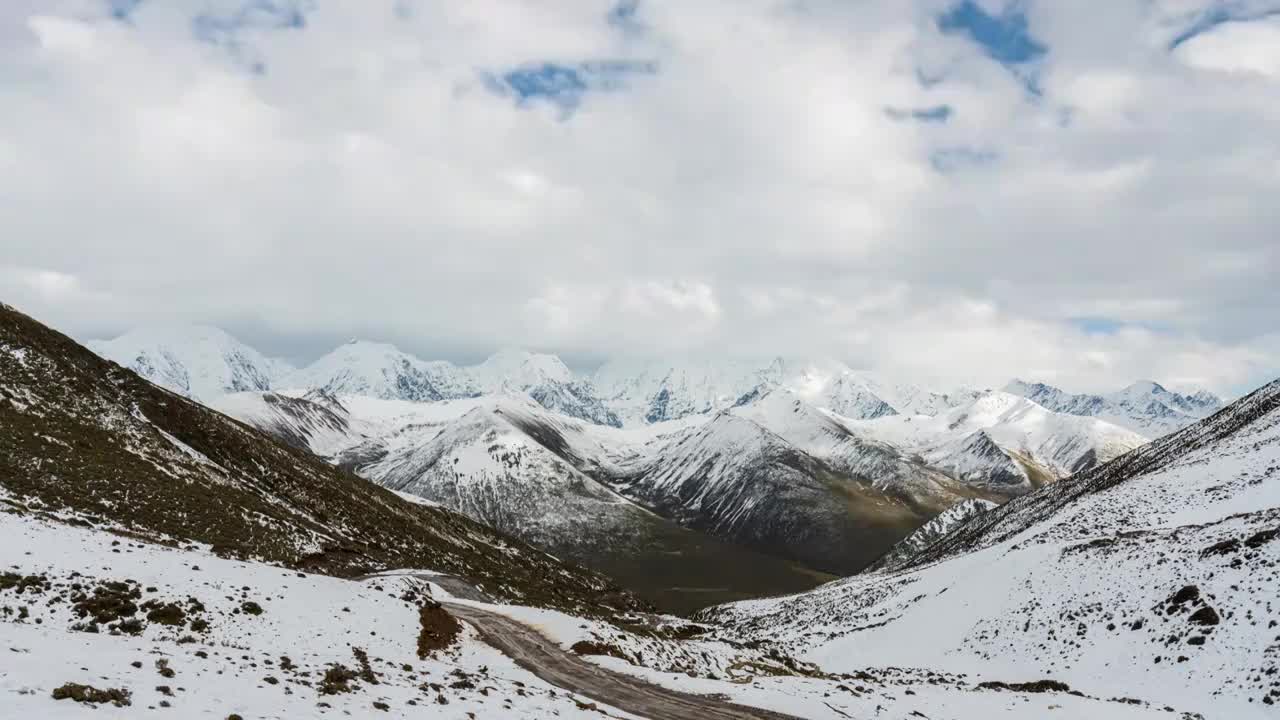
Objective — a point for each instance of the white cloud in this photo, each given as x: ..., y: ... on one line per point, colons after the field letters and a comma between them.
x: 1249, y: 47
x: 751, y: 194
x: 658, y: 297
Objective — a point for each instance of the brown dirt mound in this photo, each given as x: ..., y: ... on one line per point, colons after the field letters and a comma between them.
x: 587, y: 647
x: 439, y: 630
x: 87, y: 694
x: 337, y: 679
x: 1039, y: 686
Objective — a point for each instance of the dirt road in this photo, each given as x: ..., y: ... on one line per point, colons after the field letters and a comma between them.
x: 544, y: 658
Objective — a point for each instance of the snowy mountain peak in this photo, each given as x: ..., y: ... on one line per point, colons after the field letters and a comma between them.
x: 176, y: 334
x: 198, y: 361
x: 991, y: 408
x: 832, y: 386
x: 382, y: 370
x: 1144, y: 387
x: 521, y: 369
x: 1018, y: 386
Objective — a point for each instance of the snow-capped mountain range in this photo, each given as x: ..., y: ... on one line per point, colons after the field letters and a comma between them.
x: 807, y: 461
x: 1145, y: 407
x: 204, y: 363
x: 1002, y: 439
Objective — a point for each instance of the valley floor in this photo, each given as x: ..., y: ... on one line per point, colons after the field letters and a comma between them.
x: 216, y: 638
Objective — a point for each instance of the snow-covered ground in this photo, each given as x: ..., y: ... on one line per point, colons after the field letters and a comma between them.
x: 258, y: 641
x: 236, y: 665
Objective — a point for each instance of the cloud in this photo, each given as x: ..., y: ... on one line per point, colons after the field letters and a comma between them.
x: 1249, y: 47
x: 658, y: 177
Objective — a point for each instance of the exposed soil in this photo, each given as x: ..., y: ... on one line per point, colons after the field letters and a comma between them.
x: 88, y: 694
x: 1038, y: 686
x: 337, y: 679
x: 438, y: 629
x: 588, y: 647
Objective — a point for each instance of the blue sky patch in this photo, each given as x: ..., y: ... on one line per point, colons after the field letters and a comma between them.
x: 1005, y: 38
x: 1097, y: 325
x: 935, y: 114
x: 566, y: 84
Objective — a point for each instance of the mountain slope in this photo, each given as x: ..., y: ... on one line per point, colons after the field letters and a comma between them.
x: 1144, y: 407
x: 828, y: 437
x: 317, y: 421
x: 736, y: 480
x: 937, y: 528
x: 197, y: 361
x: 1151, y: 577
x: 81, y: 435
x: 486, y: 468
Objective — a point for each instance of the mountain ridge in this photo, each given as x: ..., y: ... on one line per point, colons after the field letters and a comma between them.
x: 619, y: 392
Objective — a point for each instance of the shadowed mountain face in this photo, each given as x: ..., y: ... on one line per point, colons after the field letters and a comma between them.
x: 511, y: 465
x: 733, y: 479
x: 85, y: 437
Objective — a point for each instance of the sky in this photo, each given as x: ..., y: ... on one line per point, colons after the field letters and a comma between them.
x: 1082, y: 193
